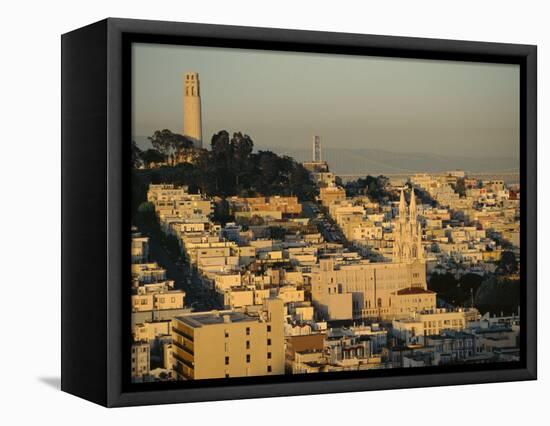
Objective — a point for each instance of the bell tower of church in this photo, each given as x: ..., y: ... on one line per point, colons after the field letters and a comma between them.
x: 407, y: 242
x: 192, y: 120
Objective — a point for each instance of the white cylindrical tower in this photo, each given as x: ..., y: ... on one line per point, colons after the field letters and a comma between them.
x: 192, y: 120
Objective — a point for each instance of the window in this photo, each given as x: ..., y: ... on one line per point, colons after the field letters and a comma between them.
x: 268, y: 328
x: 226, y: 333
x: 248, y: 331
x: 269, y: 355
x: 226, y: 360
x: 269, y: 368
x: 247, y: 357
x: 268, y: 342
x: 248, y: 344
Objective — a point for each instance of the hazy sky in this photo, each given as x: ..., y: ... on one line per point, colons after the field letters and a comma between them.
x: 281, y: 99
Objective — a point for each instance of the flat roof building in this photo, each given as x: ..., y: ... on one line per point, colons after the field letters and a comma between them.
x: 218, y: 344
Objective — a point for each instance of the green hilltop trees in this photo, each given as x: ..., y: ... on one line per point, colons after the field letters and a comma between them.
x: 229, y: 168
x: 166, y: 142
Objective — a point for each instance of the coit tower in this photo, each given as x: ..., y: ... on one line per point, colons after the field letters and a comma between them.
x: 192, y: 122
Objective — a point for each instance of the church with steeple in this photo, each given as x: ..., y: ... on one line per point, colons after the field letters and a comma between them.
x: 407, y: 245
x: 381, y: 290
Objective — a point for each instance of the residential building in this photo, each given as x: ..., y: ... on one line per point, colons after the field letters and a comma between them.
x: 230, y: 343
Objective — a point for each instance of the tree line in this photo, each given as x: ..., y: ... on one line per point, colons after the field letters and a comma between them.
x: 229, y: 168
x: 495, y: 293
x: 165, y: 145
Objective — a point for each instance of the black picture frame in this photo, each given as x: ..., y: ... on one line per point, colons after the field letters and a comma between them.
x: 95, y: 211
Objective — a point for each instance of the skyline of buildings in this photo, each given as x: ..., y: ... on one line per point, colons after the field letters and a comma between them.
x: 343, y: 281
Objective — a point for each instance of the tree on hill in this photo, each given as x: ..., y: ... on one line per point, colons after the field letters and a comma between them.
x: 152, y: 156
x: 168, y: 143
x: 498, y: 294
x: 375, y: 187
x: 470, y: 283
x: 446, y: 287
x: 460, y: 187
x: 230, y: 168
x: 136, y: 155
x: 507, y: 263
x: 242, y: 147
x: 222, y: 212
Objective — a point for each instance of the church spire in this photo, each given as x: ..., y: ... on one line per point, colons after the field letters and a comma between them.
x: 412, y: 208
x: 402, y: 208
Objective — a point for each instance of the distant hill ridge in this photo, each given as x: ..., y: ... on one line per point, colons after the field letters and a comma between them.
x: 372, y: 161
x: 376, y: 161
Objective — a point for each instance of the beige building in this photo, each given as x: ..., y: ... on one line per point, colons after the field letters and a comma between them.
x: 174, y: 203
x: 219, y: 344
x: 148, y: 331
x: 324, y: 179
x: 290, y: 293
x: 140, y: 249
x: 331, y: 194
x: 141, y: 361
x: 431, y: 322
x: 363, y: 290
x: 146, y: 273
x: 238, y: 297
x: 362, y: 230
x: 372, y: 290
x: 410, y: 300
x: 225, y: 281
x: 156, y: 301
x: 275, y: 206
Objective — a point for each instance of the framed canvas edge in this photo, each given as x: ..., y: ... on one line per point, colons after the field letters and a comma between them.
x: 116, y: 28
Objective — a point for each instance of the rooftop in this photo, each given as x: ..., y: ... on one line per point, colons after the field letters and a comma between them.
x: 214, y: 317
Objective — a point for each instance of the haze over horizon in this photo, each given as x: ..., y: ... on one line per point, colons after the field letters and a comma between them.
x: 360, y: 106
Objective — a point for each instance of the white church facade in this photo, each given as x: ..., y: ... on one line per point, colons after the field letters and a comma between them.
x: 384, y: 290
